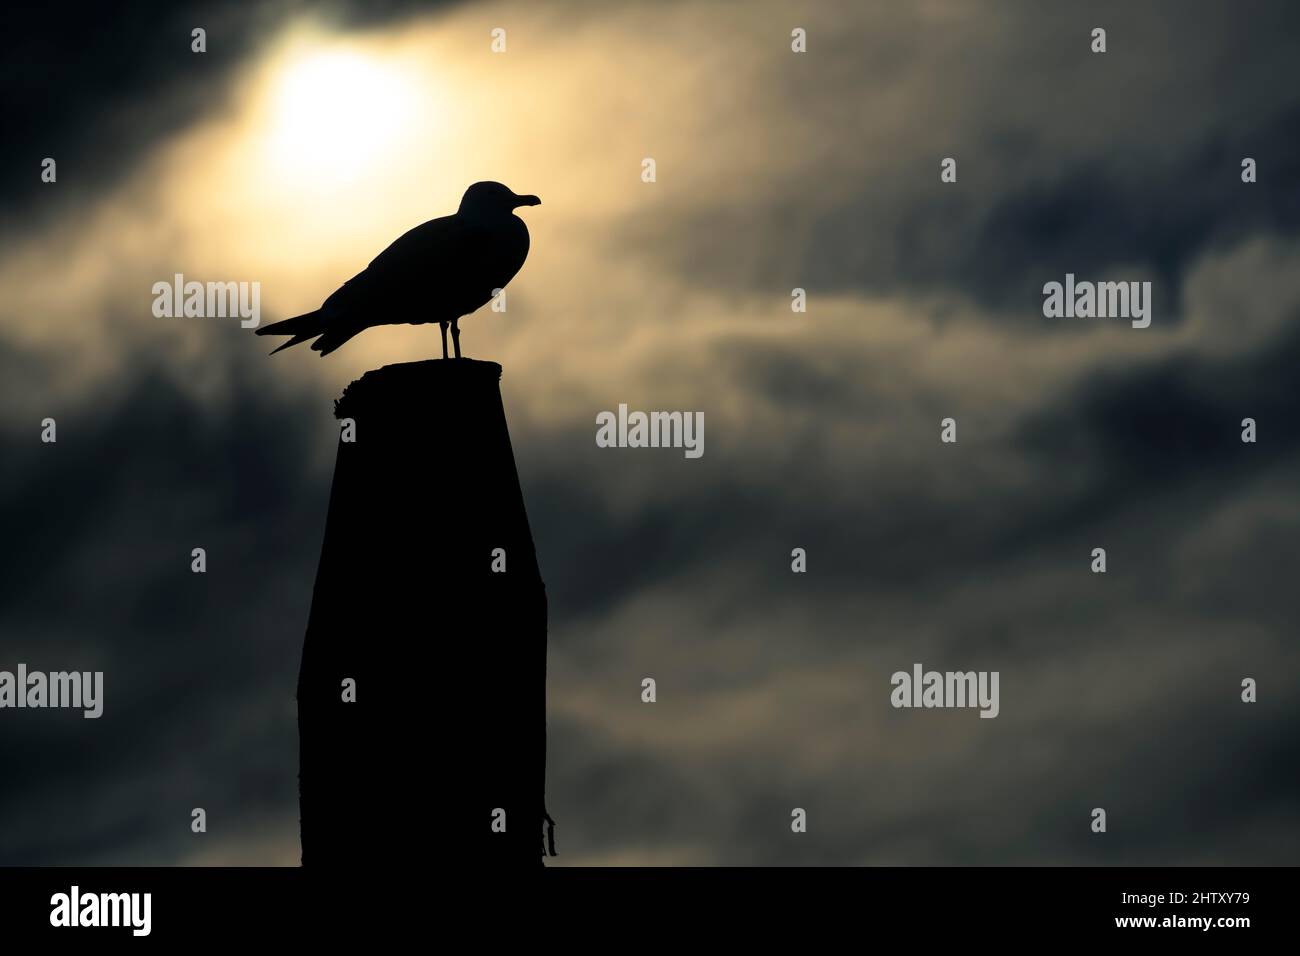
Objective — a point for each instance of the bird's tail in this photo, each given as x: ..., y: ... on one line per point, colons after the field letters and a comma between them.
x: 301, y: 327
x: 333, y: 338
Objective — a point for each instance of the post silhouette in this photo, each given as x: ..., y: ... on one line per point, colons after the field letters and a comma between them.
x: 447, y: 733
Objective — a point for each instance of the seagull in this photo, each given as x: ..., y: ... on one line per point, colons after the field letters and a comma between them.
x: 437, y: 272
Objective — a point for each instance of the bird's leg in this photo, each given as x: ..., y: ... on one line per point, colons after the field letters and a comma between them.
x: 444, y: 338
x: 455, y: 336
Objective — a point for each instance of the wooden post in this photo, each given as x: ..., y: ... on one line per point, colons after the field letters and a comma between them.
x: 447, y: 732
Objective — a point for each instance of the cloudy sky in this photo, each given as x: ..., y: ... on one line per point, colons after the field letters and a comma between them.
x: 255, y: 162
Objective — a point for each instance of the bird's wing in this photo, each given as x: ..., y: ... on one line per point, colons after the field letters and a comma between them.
x: 412, y: 251
x: 438, y: 271
x: 406, y: 271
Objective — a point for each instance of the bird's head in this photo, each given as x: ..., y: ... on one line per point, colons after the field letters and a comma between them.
x: 493, y: 199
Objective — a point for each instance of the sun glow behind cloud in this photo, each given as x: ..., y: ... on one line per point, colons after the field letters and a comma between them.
x: 338, y: 111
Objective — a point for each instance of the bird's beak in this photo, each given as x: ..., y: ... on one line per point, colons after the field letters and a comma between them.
x: 527, y: 201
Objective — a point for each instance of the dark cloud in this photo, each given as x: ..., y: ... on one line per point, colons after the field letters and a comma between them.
x: 1071, y: 162
x: 199, y: 669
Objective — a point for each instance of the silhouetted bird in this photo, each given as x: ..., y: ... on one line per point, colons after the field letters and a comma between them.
x: 437, y: 272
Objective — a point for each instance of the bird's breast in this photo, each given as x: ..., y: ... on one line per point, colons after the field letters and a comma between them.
x: 502, y: 251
